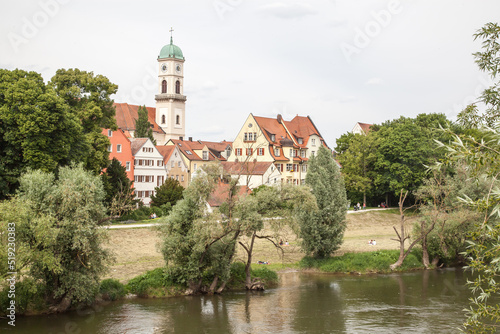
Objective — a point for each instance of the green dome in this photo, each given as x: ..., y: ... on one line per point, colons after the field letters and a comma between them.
x: 171, y: 51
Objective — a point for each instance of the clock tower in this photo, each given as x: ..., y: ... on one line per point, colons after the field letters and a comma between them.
x: 170, y: 101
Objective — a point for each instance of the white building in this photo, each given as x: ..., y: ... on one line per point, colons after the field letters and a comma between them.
x: 149, y: 170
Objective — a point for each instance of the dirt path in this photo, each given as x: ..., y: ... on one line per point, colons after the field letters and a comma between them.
x: 136, y: 249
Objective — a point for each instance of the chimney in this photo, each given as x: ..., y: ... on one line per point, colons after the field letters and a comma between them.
x: 280, y: 118
x: 190, y: 138
x: 181, y: 139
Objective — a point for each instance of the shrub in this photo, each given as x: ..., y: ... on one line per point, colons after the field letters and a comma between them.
x: 153, y: 282
x: 30, y: 296
x: 112, y: 289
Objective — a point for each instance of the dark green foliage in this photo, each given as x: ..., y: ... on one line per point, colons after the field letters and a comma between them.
x: 29, y: 296
x: 238, y: 276
x: 169, y: 192
x: 37, y: 128
x: 377, y: 261
x: 142, y: 126
x: 112, y: 289
x: 155, y: 282
x: 117, y: 186
x: 322, y: 230
x: 88, y: 97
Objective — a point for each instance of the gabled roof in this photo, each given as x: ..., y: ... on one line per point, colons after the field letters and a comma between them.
x: 246, y: 168
x: 126, y: 115
x: 136, y: 144
x: 302, y: 127
x: 220, y: 194
x: 271, y: 126
x: 214, y: 148
x: 365, y: 127
x: 166, y: 151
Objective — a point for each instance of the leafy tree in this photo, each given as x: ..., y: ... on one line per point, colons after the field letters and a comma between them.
x: 169, y: 192
x: 57, y: 224
x: 405, y: 148
x: 118, y: 187
x: 482, y: 157
x: 142, y: 126
x: 36, y: 128
x: 357, y: 163
x: 89, y: 99
x: 322, y: 230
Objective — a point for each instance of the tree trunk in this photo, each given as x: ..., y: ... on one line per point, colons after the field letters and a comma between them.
x: 248, y: 266
x: 425, y: 253
x: 214, y: 284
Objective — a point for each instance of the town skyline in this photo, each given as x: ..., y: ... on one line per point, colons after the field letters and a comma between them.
x: 334, y: 61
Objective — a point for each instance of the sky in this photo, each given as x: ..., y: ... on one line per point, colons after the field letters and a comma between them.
x: 337, y: 61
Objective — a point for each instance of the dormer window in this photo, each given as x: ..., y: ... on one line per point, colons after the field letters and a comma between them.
x: 205, y: 155
x: 277, y: 152
x: 164, y: 86
x: 301, y: 141
x: 273, y: 138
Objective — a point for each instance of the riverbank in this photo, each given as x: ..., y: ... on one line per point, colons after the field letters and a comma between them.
x: 136, y: 249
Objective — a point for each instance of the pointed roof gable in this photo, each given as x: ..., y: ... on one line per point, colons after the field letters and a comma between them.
x: 137, y: 143
x: 166, y: 151
x: 272, y: 126
x: 126, y: 115
x: 302, y: 127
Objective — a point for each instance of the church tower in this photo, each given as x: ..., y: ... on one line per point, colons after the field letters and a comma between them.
x: 170, y: 101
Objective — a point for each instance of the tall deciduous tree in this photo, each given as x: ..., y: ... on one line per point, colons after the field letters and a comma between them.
x: 357, y: 160
x: 322, y: 230
x: 142, y: 125
x: 58, y: 228
x: 37, y: 129
x: 89, y: 99
x: 482, y: 157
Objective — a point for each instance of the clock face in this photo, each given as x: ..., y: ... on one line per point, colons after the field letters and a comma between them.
x: 178, y: 68
x: 164, y: 67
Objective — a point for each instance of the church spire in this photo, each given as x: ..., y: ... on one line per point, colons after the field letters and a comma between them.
x: 171, y: 39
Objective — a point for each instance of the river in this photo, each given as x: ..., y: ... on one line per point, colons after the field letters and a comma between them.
x: 416, y: 302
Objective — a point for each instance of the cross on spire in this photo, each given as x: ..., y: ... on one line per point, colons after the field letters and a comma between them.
x: 171, y: 39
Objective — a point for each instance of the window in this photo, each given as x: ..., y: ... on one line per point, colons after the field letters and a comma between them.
x: 279, y: 167
x: 249, y: 151
x: 260, y: 151
x: 110, y: 133
x: 179, y: 164
x: 118, y: 148
x: 237, y: 151
x: 277, y: 152
x: 312, y: 153
x: 127, y: 166
x: 182, y: 178
x: 304, y: 168
x: 313, y: 142
x: 250, y: 136
x: 172, y: 164
x: 228, y: 151
x: 164, y: 86
x: 205, y: 155
x: 273, y: 137
x: 195, y: 166
x: 303, y: 153
x: 289, y: 167
x: 163, y: 120
x: 177, y: 176
x: 159, y: 163
x: 291, y: 153
x: 177, y: 87
x: 188, y: 152
x: 301, y: 141
x: 178, y: 120
x: 159, y: 180
x: 110, y: 148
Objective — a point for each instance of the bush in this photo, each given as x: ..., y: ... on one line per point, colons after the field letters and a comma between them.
x: 112, y: 289
x: 155, y: 282
x: 378, y: 261
x: 29, y: 296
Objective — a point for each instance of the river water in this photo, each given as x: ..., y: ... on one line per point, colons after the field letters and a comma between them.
x: 417, y: 302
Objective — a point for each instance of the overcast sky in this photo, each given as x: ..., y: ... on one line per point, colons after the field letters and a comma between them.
x: 338, y: 61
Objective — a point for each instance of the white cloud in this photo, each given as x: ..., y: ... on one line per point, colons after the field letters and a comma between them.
x: 288, y: 10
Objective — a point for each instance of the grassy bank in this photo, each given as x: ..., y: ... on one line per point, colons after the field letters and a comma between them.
x: 365, y: 262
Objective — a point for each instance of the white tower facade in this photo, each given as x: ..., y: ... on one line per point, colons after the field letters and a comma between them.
x: 170, y: 99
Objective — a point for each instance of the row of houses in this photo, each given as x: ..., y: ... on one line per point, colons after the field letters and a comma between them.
x: 266, y: 151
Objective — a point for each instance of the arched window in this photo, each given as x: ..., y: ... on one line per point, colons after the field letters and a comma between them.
x: 177, y: 87
x: 162, y: 119
x: 178, y: 119
x: 164, y: 86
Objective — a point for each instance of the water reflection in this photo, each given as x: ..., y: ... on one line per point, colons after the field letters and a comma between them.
x: 420, y: 302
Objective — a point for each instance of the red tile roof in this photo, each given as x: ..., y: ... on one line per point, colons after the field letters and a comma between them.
x: 365, y: 127
x: 136, y: 144
x: 246, y: 168
x: 220, y: 194
x: 165, y: 151
x: 271, y: 126
x: 302, y: 127
x: 126, y: 116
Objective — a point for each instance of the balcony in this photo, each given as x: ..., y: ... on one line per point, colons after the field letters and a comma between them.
x: 164, y: 96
